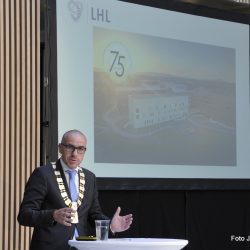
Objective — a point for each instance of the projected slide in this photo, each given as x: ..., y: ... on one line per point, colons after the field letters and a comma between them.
x: 163, y: 101
x: 159, y: 97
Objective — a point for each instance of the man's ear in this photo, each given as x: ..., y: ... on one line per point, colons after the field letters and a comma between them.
x: 60, y: 148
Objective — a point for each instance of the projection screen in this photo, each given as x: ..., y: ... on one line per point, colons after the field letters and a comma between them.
x: 159, y: 93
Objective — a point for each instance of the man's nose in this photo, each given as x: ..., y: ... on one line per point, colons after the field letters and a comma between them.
x: 74, y: 152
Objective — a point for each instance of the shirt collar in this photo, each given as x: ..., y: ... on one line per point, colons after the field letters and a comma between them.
x: 65, y: 167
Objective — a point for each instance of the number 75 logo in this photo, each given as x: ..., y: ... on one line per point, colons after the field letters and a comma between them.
x: 117, y: 61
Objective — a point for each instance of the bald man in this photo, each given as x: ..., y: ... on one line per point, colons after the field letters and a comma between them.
x: 49, y: 206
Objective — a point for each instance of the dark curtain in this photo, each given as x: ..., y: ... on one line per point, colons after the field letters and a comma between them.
x: 209, y: 220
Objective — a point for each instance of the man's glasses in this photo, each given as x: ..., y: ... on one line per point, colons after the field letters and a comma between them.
x: 71, y: 148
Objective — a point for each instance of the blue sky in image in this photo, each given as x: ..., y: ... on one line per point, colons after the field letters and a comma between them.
x: 170, y: 56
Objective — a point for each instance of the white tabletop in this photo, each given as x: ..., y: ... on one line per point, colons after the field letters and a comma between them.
x: 130, y: 244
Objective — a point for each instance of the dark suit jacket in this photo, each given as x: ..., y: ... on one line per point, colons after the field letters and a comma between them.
x: 42, y: 197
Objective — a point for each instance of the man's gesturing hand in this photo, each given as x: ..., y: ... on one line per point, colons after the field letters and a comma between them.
x: 120, y: 223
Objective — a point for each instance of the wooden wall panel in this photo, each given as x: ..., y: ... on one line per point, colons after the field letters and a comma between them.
x: 1, y: 116
x: 19, y: 112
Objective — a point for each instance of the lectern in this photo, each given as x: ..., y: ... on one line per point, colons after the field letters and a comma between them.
x: 130, y: 244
